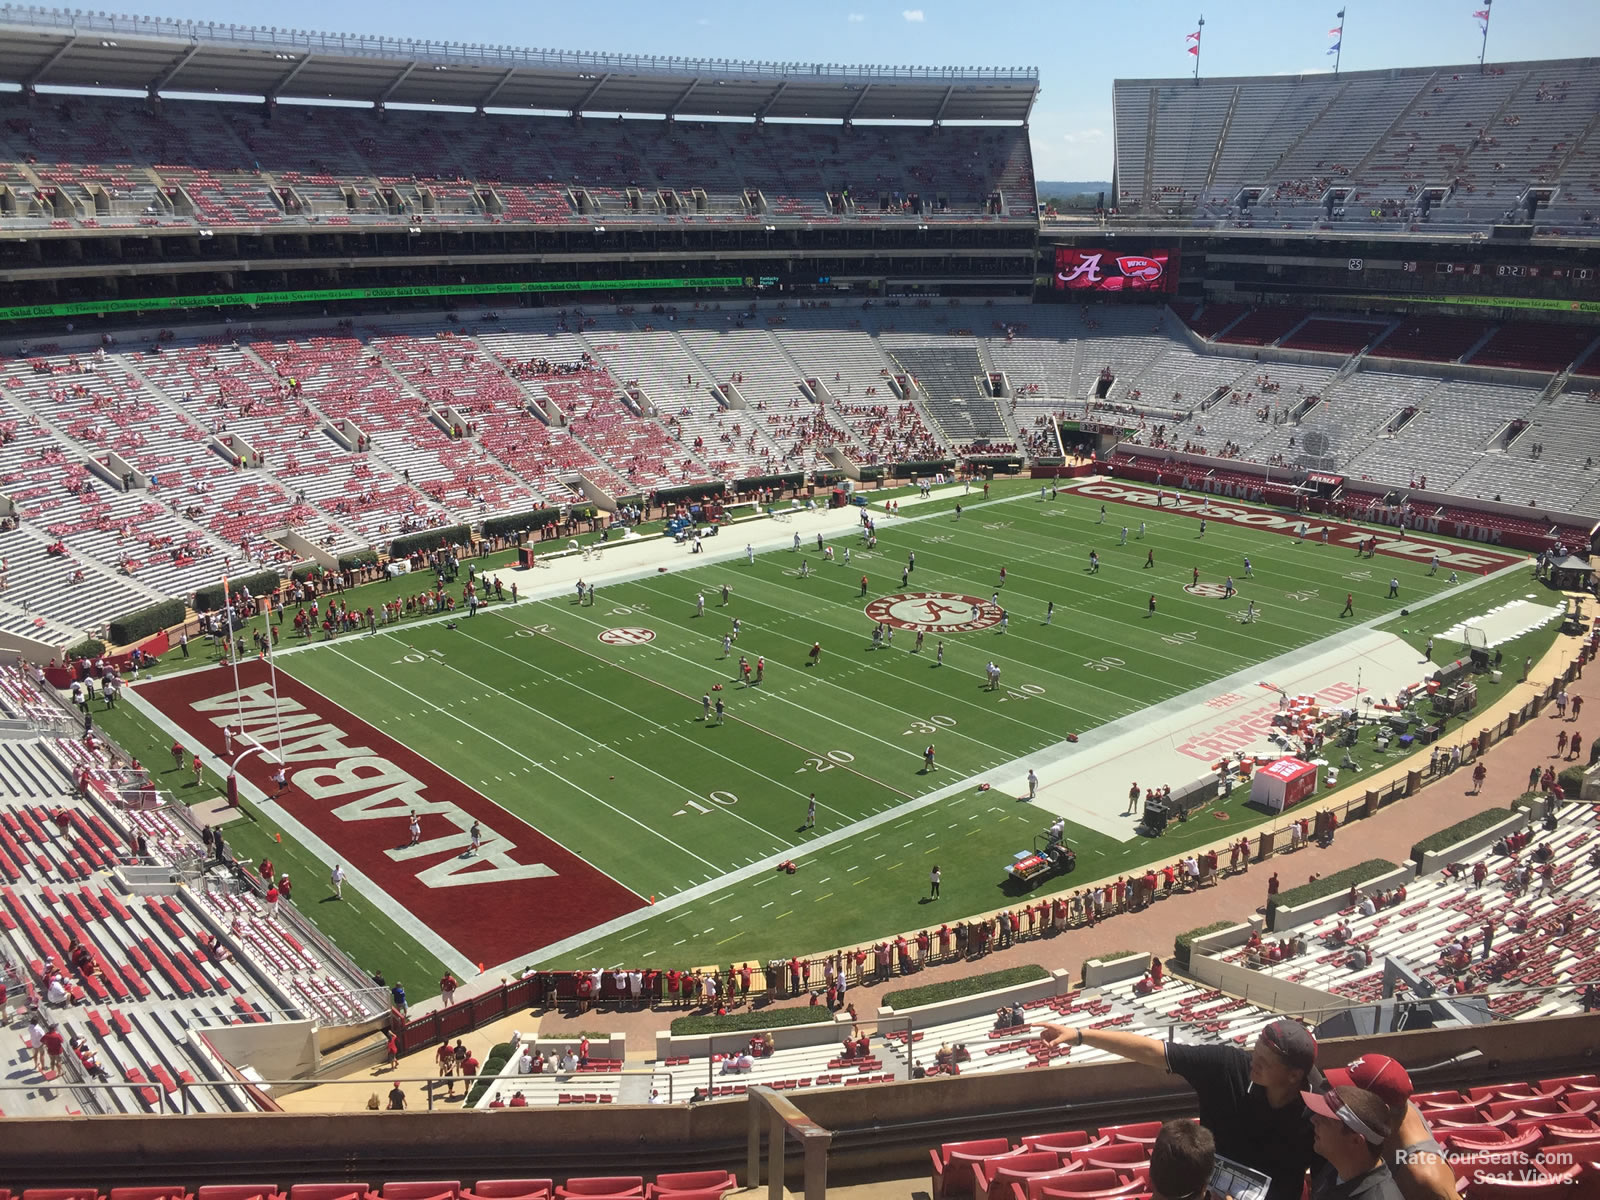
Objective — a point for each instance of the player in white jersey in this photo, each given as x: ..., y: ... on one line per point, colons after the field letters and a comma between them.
x: 727, y: 644
x: 700, y: 604
x: 750, y: 554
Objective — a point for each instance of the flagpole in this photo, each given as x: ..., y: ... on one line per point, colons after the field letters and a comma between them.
x: 1201, y: 27
x: 1483, y: 50
x: 1338, y: 47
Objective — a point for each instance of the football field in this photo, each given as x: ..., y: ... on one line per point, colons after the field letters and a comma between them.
x: 616, y: 823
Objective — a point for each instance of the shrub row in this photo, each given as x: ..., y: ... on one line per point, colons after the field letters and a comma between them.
x: 952, y: 989
x: 537, y: 518
x: 499, y: 1056
x: 145, y: 621
x: 405, y: 547
x: 88, y: 648
x: 209, y: 599
x: 776, y: 1018
x: 1460, y: 831
x: 1571, y: 781
x: 1339, y: 881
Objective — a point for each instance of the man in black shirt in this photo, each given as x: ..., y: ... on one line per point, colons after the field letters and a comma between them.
x: 1249, y: 1100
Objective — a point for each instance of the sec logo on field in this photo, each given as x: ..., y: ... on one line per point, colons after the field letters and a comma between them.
x: 934, y: 612
x: 628, y: 635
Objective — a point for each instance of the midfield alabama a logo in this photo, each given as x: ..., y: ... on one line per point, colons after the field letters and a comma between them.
x: 934, y: 612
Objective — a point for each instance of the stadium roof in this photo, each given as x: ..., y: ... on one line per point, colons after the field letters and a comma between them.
x: 71, y: 49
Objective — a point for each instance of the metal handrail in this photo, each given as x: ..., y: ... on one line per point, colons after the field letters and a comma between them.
x: 785, y: 1120
x: 477, y: 55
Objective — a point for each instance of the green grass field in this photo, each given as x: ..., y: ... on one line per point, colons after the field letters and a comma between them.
x: 603, y: 747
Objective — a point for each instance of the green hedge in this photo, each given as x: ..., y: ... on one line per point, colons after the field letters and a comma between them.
x: 1339, y: 881
x: 775, y: 1018
x: 357, y: 559
x: 537, y: 518
x: 88, y: 648
x: 262, y: 583
x: 499, y: 1056
x: 145, y: 621
x: 1571, y: 781
x: 871, y: 474
x: 404, y: 547
x: 951, y: 989
x: 750, y: 482
x: 1183, y: 944
x: 304, y: 572
x: 1460, y: 831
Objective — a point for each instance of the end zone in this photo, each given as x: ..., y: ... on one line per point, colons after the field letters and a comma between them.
x: 354, y: 787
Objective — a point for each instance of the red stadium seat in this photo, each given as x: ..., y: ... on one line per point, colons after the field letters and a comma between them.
x: 600, y: 1185
x: 1063, y: 1142
x: 1116, y: 1157
x: 692, y: 1181
x: 149, y: 1193
x: 1567, y: 1082
x: 422, y: 1189
x: 992, y: 1178
x: 953, y: 1162
x: 1019, y: 1183
x: 1545, y: 1106
x: 509, y: 1189
x: 1464, y: 1143
x: 330, y: 1191
x: 1431, y: 1100
x: 1142, y: 1133
x: 66, y: 1193
x: 238, y: 1191
x: 1500, y: 1091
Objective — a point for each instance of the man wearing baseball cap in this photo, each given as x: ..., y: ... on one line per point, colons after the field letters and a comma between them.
x: 1415, y: 1159
x: 1249, y: 1100
x: 1350, y: 1125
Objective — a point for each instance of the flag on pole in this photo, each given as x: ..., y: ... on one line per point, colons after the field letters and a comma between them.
x: 1482, y: 14
x: 1193, y: 37
x: 1195, y: 50
x: 1333, y: 49
x: 1336, y: 32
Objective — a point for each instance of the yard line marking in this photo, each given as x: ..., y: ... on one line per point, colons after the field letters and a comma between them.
x: 880, y: 856
x: 513, y: 750
x: 680, y: 942
x: 906, y: 846
x: 781, y: 916
x: 720, y: 899
x: 797, y: 891
x: 820, y: 882
x: 633, y: 935
x: 847, y: 870
x: 731, y: 920
x: 820, y: 899
x: 736, y: 763
x: 647, y: 954
x: 769, y: 904
x: 726, y: 940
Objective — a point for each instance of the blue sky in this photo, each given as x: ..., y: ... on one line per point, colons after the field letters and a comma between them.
x: 1079, y: 46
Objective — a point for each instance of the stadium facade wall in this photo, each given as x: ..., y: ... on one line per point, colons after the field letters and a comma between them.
x: 876, y: 1129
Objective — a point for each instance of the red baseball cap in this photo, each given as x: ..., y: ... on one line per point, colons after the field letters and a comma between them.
x: 1377, y: 1073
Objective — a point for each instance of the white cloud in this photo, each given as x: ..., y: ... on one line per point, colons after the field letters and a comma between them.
x: 857, y: 18
x: 914, y: 15
x: 1083, y: 135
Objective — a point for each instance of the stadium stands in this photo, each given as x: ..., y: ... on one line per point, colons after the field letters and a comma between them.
x: 146, y: 968
x: 1545, y: 939
x: 1450, y: 147
x: 125, y: 163
x: 350, y: 437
